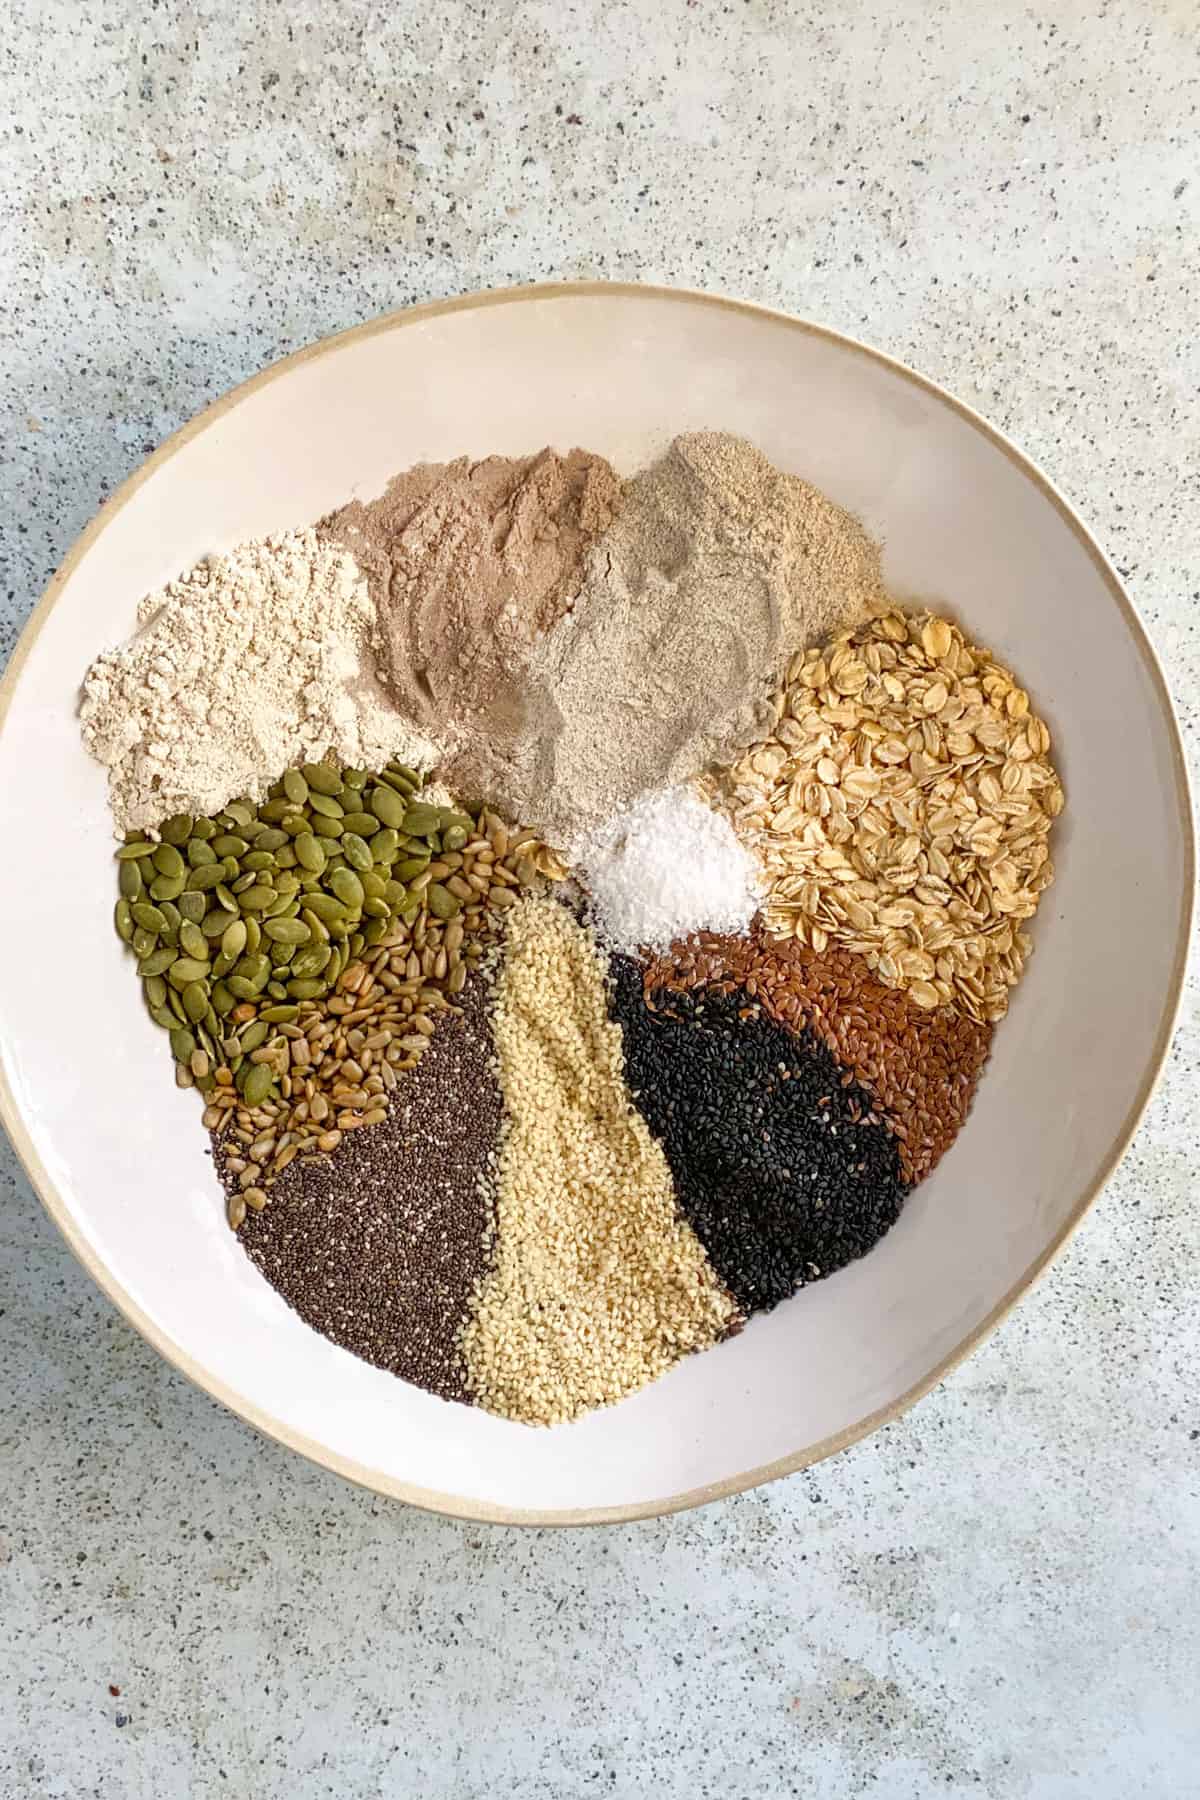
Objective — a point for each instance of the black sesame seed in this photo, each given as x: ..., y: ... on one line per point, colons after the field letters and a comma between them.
x: 776, y: 1166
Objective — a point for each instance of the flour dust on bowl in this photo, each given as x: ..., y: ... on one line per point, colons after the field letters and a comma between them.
x: 573, y: 812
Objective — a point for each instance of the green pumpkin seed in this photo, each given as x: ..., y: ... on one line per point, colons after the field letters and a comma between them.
x: 154, y: 990
x: 229, y: 844
x: 162, y: 1015
x: 318, y: 928
x: 222, y: 965
x: 158, y: 962
x: 253, y: 936
x: 388, y: 807
x: 241, y: 812
x: 203, y: 828
x: 374, y: 885
x: 311, y: 961
x: 168, y: 861
x: 193, y: 941
x: 200, y: 854
x: 167, y: 887
x: 441, y: 902
x: 134, y: 852
x: 185, y: 970
x: 176, y: 1006
x: 274, y: 810
x: 355, y: 943
x: 326, y: 906
x: 454, y: 821
x: 347, y: 887
x: 192, y: 906
x: 421, y: 821
x: 277, y: 990
x: 257, y: 861
x: 195, y: 1000
x: 364, y: 823
x: 253, y: 1034
x: 147, y: 916
x: 385, y: 845
x: 374, y: 931
x: 306, y: 989
x: 279, y: 1015
x: 225, y: 898
x: 123, y: 920
x: 309, y: 853
x: 233, y: 938
x: 326, y: 828
x: 354, y: 778
x: 287, y: 931
x: 325, y: 806
x: 213, y: 923
x: 257, y: 897
x: 143, y: 941
x: 396, y: 894
x: 183, y: 1044
x: 241, y: 988
x: 208, y: 876
x: 285, y: 858
x: 355, y: 851
x: 177, y: 829
x: 408, y: 866
x: 129, y: 880
x: 322, y: 779
x: 295, y: 787
x: 455, y: 837
x: 257, y: 1084
x: 268, y: 841
x: 376, y: 909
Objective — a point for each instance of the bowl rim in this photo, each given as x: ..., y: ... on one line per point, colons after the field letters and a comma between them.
x: 466, y: 1508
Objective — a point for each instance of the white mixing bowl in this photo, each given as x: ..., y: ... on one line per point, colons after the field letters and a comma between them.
x: 118, y: 1154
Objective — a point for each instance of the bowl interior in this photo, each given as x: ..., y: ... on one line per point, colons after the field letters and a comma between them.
x: 119, y: 1155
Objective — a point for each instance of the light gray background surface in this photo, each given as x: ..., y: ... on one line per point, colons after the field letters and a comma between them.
x: 1000, y: 1594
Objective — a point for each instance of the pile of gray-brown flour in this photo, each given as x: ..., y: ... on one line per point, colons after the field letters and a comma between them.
x: 249, y: 663
x: 715, y: 569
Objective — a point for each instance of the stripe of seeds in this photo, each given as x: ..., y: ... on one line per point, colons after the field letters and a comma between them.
x: 379, y: 1247
x: 920, y: 1067
x: 337, y: 1065
x: 598, y: 1285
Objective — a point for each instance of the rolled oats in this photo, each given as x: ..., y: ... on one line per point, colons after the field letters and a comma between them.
x: 901, y: 809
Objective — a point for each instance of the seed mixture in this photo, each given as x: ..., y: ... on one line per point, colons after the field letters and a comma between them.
x: 582, y: 907
x: 380, y: 1248
x: 919, y: 1067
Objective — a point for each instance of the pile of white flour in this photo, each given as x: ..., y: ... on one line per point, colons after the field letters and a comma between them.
x: 251, y: 662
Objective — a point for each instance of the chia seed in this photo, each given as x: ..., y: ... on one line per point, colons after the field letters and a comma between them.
x: 781, y: 1165
x: 379, y: 1246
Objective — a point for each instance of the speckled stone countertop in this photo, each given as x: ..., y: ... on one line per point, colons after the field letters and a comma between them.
x: 998, y: 1595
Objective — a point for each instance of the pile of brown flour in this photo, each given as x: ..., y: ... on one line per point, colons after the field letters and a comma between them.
x: 468, y: 563
x: 716, y: 568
